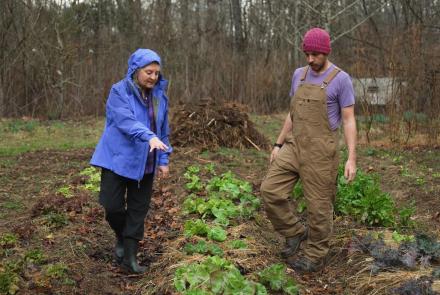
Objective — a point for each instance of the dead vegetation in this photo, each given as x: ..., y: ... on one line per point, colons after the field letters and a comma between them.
x: 211, y: 124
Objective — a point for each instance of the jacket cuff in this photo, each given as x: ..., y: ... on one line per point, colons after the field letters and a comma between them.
x: 163, y: 161
x: 147, y: 136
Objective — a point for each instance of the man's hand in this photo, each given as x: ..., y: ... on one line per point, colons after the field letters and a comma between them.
x: 156, y: 143
x: 163, y: 172
x: 287, y: 128
x: 274, y: 154
x: 350, y: 170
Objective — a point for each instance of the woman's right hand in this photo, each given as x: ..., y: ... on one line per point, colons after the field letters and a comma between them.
x: 274, y: 154
x: 156, y: 143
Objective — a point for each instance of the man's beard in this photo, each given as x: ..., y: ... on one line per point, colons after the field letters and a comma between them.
x: 317, y: 67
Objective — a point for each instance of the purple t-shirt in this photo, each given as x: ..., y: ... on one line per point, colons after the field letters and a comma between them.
x: 340, y: 93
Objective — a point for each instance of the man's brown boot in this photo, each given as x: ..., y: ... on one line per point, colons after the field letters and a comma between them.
x: 304, y: 264
x: 292, y: 244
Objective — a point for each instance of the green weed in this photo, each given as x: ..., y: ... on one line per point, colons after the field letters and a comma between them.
x: 405, y: 215
x: 55, y: 219
x: 56, y: 271
x: 66, y: 191
x: 237, y: 244
x: 399, y: 238
x: 35, y: 256
x: 8, y: 240
x: 94, y: 179
x: 8, y: 282
x: 13, y: 205
x: 420, y: 180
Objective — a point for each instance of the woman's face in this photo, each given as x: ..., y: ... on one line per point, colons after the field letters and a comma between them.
x: 147, y: 76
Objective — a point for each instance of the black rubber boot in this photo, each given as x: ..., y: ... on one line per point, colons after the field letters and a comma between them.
x: 119, y: 249
x: 129, y: 262
x: 292, y: 244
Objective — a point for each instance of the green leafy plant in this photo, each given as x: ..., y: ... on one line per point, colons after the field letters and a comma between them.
x: 9, y: 276
x: 420, y: 181
x: 55, y: 219
x: 237, y: 244
x: 56, y: 271
x: 200, y: 228
x: 214, y: 275
x: 364, y: 200
x: 195, y: 227
x: 8, y: 240
x: 202, y: 247
x: 193, y: 170
x: 399, y: 238
x: 220, y: 208
x: 35, y: 256
x: 405, y: 215
x: 65, y: 191
x: 228, y: 197
x: 231, y: 185
x: 194, y: 183
x: 276, y: 279
x: 51, y: 273
x: 94, y: 179
x: 218, y: 234
x: 404, y: 171
x: 210, y: 168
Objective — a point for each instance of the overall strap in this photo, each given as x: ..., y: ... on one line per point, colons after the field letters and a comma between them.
x: 330, y: 77
x: 305, y: 70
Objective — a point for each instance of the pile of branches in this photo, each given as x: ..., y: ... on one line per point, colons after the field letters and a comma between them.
x: 211, y: 124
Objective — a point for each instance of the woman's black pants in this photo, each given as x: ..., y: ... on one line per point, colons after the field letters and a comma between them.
x: 126, y: 203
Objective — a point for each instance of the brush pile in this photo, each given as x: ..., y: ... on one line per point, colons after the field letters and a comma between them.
x: 210, y: 124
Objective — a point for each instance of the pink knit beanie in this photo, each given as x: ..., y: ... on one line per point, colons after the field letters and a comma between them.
x: 317, y: 40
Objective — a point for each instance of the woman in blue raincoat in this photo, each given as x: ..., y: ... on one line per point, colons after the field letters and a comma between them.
x: 133, y: 148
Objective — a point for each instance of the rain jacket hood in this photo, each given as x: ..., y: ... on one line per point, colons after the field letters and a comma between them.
x: 141, y: 58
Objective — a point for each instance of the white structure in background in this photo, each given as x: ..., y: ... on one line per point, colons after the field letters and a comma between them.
x: 378, y: 91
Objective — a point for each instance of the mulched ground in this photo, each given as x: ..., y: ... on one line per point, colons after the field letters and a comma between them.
x: 85, y: 243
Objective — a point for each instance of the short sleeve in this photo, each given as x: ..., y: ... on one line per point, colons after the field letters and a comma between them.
x: 346, y: 92
x: 295, y: 81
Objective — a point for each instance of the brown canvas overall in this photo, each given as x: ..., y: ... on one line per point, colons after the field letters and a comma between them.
x: 311, y: 154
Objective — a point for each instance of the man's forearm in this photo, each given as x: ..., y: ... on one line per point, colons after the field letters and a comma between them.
x: 350, y: 137
x: 287, y: 127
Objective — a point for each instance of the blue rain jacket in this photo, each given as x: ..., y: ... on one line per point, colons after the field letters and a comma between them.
x: 124, y: 144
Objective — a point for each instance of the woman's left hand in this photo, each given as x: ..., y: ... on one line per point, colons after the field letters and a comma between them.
x: 163, y: 172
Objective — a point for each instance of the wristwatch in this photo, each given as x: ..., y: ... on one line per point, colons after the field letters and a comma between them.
x: 278, y: 145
